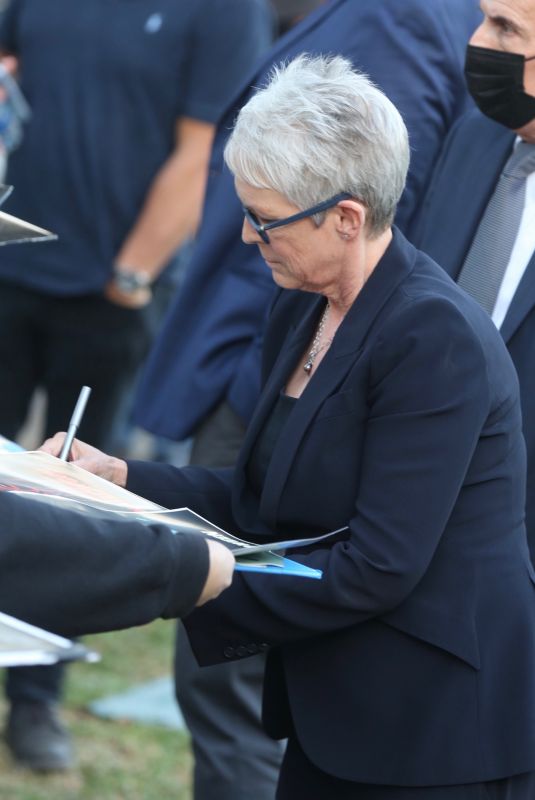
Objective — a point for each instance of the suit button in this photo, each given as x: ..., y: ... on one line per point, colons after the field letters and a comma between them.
x: 252, y: 649
x: 228, y: 652
x: 241, y: 651
x: 264, y: 646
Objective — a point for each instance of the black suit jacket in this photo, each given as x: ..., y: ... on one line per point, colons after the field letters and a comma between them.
x: 462, y: 185
x: 412, y: 662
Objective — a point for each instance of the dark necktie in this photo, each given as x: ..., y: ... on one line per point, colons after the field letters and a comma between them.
x: 483, y: 270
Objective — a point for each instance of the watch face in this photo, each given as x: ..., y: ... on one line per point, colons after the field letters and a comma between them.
x: 131, y: 281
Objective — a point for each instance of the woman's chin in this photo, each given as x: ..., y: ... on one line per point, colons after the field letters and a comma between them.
x: 281, y: 278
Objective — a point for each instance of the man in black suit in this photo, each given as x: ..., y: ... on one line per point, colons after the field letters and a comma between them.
x: 457, y: 212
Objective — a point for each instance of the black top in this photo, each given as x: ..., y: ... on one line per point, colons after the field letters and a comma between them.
x: 267, y: 439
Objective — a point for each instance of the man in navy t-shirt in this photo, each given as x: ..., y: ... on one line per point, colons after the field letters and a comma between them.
x: 124, y: 98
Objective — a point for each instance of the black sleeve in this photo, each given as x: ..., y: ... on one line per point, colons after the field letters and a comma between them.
x: 8, y: 27
x: 205, y: 491
x: 228, y: 33
x: 73, y: 574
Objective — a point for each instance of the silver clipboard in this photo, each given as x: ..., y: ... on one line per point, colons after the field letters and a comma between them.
x: 22, y: 644
x: 14, y: 230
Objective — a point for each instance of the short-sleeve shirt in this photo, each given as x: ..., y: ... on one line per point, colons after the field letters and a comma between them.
x: 107, y: 81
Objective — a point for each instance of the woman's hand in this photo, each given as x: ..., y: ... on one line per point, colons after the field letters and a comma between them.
x: 89, y: 458
x: 115, y: 470
x: 219, y: 573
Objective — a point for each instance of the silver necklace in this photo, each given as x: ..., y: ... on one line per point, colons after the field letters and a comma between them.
x: 316, y: 342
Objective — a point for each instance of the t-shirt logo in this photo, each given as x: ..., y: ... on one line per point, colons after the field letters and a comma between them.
x: 154, y: 23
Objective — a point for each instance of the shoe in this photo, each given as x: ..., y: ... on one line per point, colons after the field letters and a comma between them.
x: 37, y: 739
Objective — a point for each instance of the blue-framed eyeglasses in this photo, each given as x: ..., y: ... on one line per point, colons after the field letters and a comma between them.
x: 262, y: 229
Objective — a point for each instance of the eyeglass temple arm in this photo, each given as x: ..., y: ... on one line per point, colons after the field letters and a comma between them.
x: 307, y: 213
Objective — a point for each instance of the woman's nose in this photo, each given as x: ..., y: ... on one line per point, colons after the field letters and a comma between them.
x: 248, y: 234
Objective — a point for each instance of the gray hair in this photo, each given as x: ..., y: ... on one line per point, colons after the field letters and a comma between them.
x: 320, y: 128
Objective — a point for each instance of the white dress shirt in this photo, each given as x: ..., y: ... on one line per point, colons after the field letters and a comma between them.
x: 522, y: 251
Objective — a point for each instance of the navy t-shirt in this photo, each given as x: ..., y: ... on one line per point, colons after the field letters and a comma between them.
x: 106, y: 81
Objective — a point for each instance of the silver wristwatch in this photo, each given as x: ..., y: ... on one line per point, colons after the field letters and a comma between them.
x: 130, y: 282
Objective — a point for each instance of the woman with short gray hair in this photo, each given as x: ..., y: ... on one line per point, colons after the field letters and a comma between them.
x: 320, y: 130
x: 390, y: 414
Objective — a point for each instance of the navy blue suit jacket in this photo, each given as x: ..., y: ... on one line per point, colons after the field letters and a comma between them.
x: 209, y: 347
x: 464, y: 180
x: 412, y: 661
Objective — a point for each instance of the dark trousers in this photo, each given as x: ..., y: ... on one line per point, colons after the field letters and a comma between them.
x: 234, y: 757
x: 60, y: 344
x: 299, y: 777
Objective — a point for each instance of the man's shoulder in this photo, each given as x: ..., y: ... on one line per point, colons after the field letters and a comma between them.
x: 473, y: 125
x: 473, y: 140
x: 465, y: 173
x: 473, y: 152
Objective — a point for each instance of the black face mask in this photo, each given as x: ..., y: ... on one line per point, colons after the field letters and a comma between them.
x: 496, y: 82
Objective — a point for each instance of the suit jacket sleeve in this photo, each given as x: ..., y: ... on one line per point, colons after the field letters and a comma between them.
x: 428, y: 394
x: 417, y: 229
x: 73, y: 574
x: 205, y: 491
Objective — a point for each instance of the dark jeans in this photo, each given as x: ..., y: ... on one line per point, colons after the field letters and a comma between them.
x: 299, y: 777
x: 60, y: 344
x: 35, y: 684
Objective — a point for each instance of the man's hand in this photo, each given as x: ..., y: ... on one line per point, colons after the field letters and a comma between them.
x: 89, y: 458
x: 220, y: 572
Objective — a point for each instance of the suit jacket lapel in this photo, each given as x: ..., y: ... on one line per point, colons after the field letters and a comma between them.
x: 468, y: 198
x: 487, y: 144
x: 342, y: 355
x: 522, y: 303
x: 245, y: 504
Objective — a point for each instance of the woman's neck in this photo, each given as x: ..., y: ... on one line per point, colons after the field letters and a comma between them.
x: 366, y: 254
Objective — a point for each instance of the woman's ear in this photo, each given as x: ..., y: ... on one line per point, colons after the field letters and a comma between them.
x: 350, y: 219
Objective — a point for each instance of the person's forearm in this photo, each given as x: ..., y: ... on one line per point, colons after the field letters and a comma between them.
x: 75, y: 573
x: 172, y: 208
x: 205, y: 491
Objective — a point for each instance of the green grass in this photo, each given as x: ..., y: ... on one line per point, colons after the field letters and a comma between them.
x: 116, y: 760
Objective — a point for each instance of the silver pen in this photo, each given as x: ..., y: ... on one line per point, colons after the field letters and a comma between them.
x: 74, y: 424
